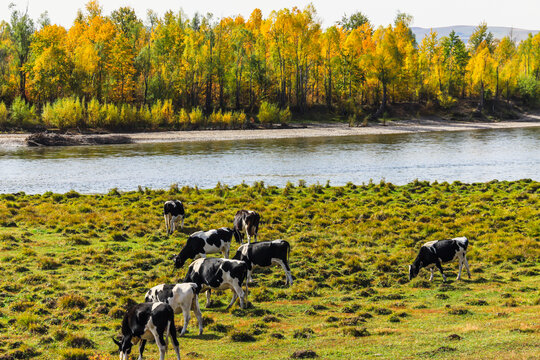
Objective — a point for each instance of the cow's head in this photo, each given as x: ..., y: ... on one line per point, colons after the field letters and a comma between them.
x: 179, y: 261
x: 124, y: 346
x: 413, y: 271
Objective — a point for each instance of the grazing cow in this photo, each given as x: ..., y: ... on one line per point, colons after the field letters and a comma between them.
x: 263, y: 254
x: 218, y: 274
x: 144, y: 322
x: 181, y: 297
x: 201, y: 243
x: 246, y: 221
x: 434, y: 253
x: 173, y: 211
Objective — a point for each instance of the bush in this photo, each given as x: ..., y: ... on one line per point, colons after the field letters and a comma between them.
x: 268, y: 113
x: 94, y: 114
x: 4, y: 120
x: 64, y: 113
x: 242, y: 336
x: 183, y: 119
x: 111, y: 116
x: 196, y: 117
x: 145, y: 116
x: 128, y: 116
x: 71, y: 301
x: 80, y: 342
x: 22, y: 114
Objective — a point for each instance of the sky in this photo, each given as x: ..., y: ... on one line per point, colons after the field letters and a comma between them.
x: 427, y: 13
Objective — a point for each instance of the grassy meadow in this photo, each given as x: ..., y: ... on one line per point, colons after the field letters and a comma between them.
x: 71, y: 264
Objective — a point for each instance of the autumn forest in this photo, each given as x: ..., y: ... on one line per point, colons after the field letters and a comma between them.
x: 119, y: 71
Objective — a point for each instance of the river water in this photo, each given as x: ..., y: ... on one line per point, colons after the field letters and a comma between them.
x: 467, y: 156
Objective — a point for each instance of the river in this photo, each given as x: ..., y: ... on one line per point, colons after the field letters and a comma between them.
x: 467, y: 156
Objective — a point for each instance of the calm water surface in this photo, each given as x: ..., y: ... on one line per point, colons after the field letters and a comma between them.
x: 471, y: 156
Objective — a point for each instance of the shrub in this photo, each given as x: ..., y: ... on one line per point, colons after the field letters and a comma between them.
x: 145, y: 116
x: 183, y: 119
x: 242, y: 336
x: 356, y: 332
x: 304, y: 333
x: 111, y: 116
x: 94, y: 114
x: 22, y: 114
x: 196, y: 117
x: 64, y: 113
x: 268, y: 113
x: 128, y: 116
x: 4, y: 120
x: 71, y: 301
x: 80, y: 342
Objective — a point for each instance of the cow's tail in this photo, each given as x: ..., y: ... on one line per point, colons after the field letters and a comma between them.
x: 288, y: 254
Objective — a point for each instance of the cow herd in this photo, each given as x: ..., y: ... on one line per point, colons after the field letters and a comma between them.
x: 154, y: 319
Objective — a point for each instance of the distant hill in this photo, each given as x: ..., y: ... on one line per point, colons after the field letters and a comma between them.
x: 464, y: 32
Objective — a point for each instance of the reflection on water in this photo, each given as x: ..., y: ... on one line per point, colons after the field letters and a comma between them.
x: 466, y: 156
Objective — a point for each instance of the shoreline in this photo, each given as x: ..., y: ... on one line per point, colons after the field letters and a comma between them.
x: 304, y: 131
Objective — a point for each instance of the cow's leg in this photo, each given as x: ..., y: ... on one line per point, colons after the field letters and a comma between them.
x: 173, y: 223
x: 141, y: 348
x: 466, y: 265
x: 166, y: 223
x: 208, y: 293
x: 182, y: 224
x: 238, y: 292
x: 160, y: 342
x: 431, y: 276
x: 176, y: 345
x: 439, y: 266
x: 185, y: 312
x: 460, y: 267
x: 197, y: 310
x: 285, y: 267
x: 232, y: 300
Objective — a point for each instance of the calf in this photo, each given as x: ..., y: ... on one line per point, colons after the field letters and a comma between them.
x: 263, y: 254
x: 201, y: 243
x: 218, y: 274
x: 173, y: 211
x: 246, y: 221
x: 144, y: 322
x: 434, y: 253
x: 181, y: 297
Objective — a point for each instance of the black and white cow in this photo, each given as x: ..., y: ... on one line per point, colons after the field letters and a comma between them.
x: 218, y: 274
x: 144, y: 322
x: 265, y: 253
x: 181, y: 297
x: 202, y: 243
x: 246, y: 221
x: 434, y: 253
x: 173, y: 211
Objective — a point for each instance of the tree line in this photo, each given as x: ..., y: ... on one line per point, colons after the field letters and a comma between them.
x: 135, y: 73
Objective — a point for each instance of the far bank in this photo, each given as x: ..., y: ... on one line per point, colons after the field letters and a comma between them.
x: 302, y: 131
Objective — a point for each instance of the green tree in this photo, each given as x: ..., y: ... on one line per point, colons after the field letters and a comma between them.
x: 21, y: 31
x: 353, y: 21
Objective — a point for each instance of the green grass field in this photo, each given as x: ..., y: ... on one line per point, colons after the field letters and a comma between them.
x: 71, y: 264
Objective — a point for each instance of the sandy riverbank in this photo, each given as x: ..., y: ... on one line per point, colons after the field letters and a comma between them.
x: 308, y: 130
